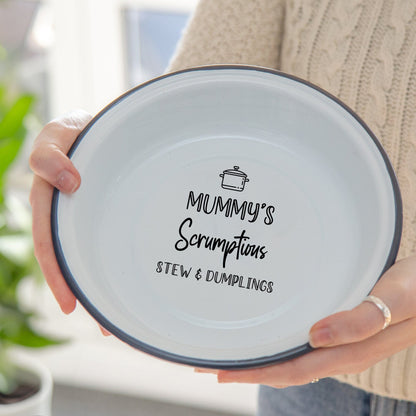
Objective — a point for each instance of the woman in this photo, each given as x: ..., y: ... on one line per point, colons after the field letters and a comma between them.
x: 364, y: 52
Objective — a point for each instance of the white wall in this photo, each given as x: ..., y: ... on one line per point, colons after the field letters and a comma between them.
x: 87, y: 60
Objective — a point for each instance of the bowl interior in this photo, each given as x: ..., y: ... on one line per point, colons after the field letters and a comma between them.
x: 165, y: 255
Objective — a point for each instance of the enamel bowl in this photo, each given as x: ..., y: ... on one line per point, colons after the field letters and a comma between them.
x: 222, y: 212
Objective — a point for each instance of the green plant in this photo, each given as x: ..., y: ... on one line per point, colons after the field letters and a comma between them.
x: 16, y: 323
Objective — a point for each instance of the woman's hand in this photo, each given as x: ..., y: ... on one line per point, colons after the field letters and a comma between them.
x: 53, y: 168
x: 351, y: 341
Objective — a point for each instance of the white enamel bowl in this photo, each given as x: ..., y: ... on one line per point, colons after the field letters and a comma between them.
x: 223, y: 211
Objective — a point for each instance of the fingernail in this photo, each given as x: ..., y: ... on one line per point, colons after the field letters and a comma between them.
x: 104, y: 331
x: 320, y: 337
x: 67, y: 182
x: 68, y: 306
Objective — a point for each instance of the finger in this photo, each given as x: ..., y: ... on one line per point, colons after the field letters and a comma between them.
x: 326, y: 362
x: 346, y: 327
x: 205, y: 370
x: 104, y: 331
x: 48, y: 158
x: 394, y: 289
x: 43, y: 246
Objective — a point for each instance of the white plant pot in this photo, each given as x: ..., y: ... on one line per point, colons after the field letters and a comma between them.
x: 40, y: 403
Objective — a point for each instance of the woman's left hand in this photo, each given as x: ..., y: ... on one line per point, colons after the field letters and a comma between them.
x: 351, y: 341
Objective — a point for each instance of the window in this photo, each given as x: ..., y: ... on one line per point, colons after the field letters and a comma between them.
x: 151, y: 38
x: 102, y: 48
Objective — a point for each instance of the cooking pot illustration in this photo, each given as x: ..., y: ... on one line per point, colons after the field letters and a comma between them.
x: 234, y: 179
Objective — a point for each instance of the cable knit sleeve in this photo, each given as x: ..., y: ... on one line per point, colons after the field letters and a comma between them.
x: 232, y: 31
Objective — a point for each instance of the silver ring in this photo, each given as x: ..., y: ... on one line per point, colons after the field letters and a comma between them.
x: 383, y: 308
x: 314, y: 380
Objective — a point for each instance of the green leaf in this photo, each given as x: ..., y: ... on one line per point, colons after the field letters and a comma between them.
x: 26, y: 337
x: 16, y: 328
x: 11, y: 273
x: 9, y: 148
x: 2, y: 93
x: 12, y: 133
x: 12, y: 121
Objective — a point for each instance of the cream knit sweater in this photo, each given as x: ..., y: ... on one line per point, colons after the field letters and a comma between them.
x: 364, y: 52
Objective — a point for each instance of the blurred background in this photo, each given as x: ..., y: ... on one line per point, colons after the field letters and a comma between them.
x: 59, y: 55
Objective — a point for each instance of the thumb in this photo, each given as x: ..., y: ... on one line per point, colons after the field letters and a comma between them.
x: 48, y: 158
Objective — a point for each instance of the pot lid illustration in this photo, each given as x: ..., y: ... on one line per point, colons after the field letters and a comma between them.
x: 231, y: 272
x: 235, y: 171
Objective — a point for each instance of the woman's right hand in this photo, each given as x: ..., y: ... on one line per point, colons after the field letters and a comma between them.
x: 52, y: 168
